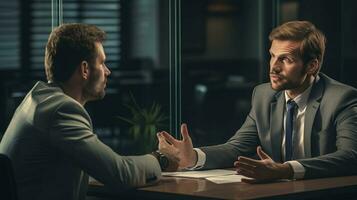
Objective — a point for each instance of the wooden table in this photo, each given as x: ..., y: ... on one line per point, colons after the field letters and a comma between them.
x: 189, y: 188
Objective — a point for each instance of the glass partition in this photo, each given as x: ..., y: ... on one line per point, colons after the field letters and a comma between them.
x: 142, y: 54
x: 223, y: 58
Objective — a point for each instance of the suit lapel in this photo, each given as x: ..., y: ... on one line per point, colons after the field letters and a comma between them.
x: 276, y: 125
x: 310, y: 113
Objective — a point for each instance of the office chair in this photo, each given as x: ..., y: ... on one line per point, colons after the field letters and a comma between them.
x: 7, y: 179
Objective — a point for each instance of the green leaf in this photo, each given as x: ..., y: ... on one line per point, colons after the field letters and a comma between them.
x: 126, y: 120
x: 144, y: 122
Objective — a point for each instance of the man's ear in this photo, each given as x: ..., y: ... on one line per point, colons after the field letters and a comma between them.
x: 84, y: 70
x: 312, y: 67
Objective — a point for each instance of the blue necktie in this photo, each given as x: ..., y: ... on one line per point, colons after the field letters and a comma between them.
x: 289, y: 130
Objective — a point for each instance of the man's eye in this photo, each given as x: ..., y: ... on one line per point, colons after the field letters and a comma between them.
x: 287, y: 60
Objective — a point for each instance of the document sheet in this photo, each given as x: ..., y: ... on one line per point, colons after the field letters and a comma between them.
x: 218, y: 176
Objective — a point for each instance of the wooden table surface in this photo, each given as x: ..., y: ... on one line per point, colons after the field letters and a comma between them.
x: 190, y: 188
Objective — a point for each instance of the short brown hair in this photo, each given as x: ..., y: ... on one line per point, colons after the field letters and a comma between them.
x: 69, y: 45
x: 312, y: 39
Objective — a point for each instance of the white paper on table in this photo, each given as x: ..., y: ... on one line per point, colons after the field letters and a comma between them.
x: 235, y: 178
x: 201, y: 174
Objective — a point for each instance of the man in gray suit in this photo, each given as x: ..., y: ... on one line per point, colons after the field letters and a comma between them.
x: 301, y: 125
x: 50, y: 138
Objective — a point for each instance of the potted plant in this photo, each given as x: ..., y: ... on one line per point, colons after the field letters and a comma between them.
x: 144, y: 123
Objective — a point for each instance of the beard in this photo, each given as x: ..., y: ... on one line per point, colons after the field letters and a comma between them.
x: 280, y: 82
x: 94, y: 89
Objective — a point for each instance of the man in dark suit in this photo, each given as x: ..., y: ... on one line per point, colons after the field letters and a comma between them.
x: 50, y: 139
x: 302, y: 124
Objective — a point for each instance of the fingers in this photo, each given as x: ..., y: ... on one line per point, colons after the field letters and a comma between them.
x: 242, y: 165
x: 249, y: 180
x: 245, y: 169
x: 248, y: 167
x: 168, y: 137
x: 250, y: 175
x: 262, y: 155
x: 162, y: 140
x: 248, y: 161
x: 184, y: 132
x: 165, y: 147
x: 255, y: 180
x: 245, y: 172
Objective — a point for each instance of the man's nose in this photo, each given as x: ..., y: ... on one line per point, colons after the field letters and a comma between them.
x: 275, y: 65
x: 108, y: 72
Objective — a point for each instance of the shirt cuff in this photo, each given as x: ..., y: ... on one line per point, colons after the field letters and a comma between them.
x: 298, y: 169
x: 201, y: 159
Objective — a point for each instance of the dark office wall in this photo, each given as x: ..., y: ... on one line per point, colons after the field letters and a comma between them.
x: 337, y: 20
x: 210, y: 33
x: 326, y: 15
x: 349, y: 42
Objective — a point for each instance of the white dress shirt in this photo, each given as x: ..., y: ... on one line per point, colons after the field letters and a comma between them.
x: 298, y: 132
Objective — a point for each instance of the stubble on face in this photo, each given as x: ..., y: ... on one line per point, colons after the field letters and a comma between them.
x: 281, y: 82
x: 287, y: 70
x: 95, y: 87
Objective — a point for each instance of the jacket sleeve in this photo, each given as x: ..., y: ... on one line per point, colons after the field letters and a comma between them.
x: 71, y: 133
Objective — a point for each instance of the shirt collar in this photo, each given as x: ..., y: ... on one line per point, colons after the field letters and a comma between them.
x: 301, y: 99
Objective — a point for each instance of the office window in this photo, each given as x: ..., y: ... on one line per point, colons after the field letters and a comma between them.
x: 105, y: 14
x: 9, y: 35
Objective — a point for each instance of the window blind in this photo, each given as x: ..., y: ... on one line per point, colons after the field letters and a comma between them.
x: 103, y: 13
x: 9, y: 34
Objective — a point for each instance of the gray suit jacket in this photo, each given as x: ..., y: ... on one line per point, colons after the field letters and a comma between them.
x: 51, y: 144
x: 330, y: 132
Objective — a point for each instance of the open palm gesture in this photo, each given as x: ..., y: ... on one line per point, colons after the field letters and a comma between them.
x: 181, y: 150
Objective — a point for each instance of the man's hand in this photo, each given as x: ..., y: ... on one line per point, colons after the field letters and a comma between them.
x: 181, y: 150
x: 263, y: 170
x: 167, y: 164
